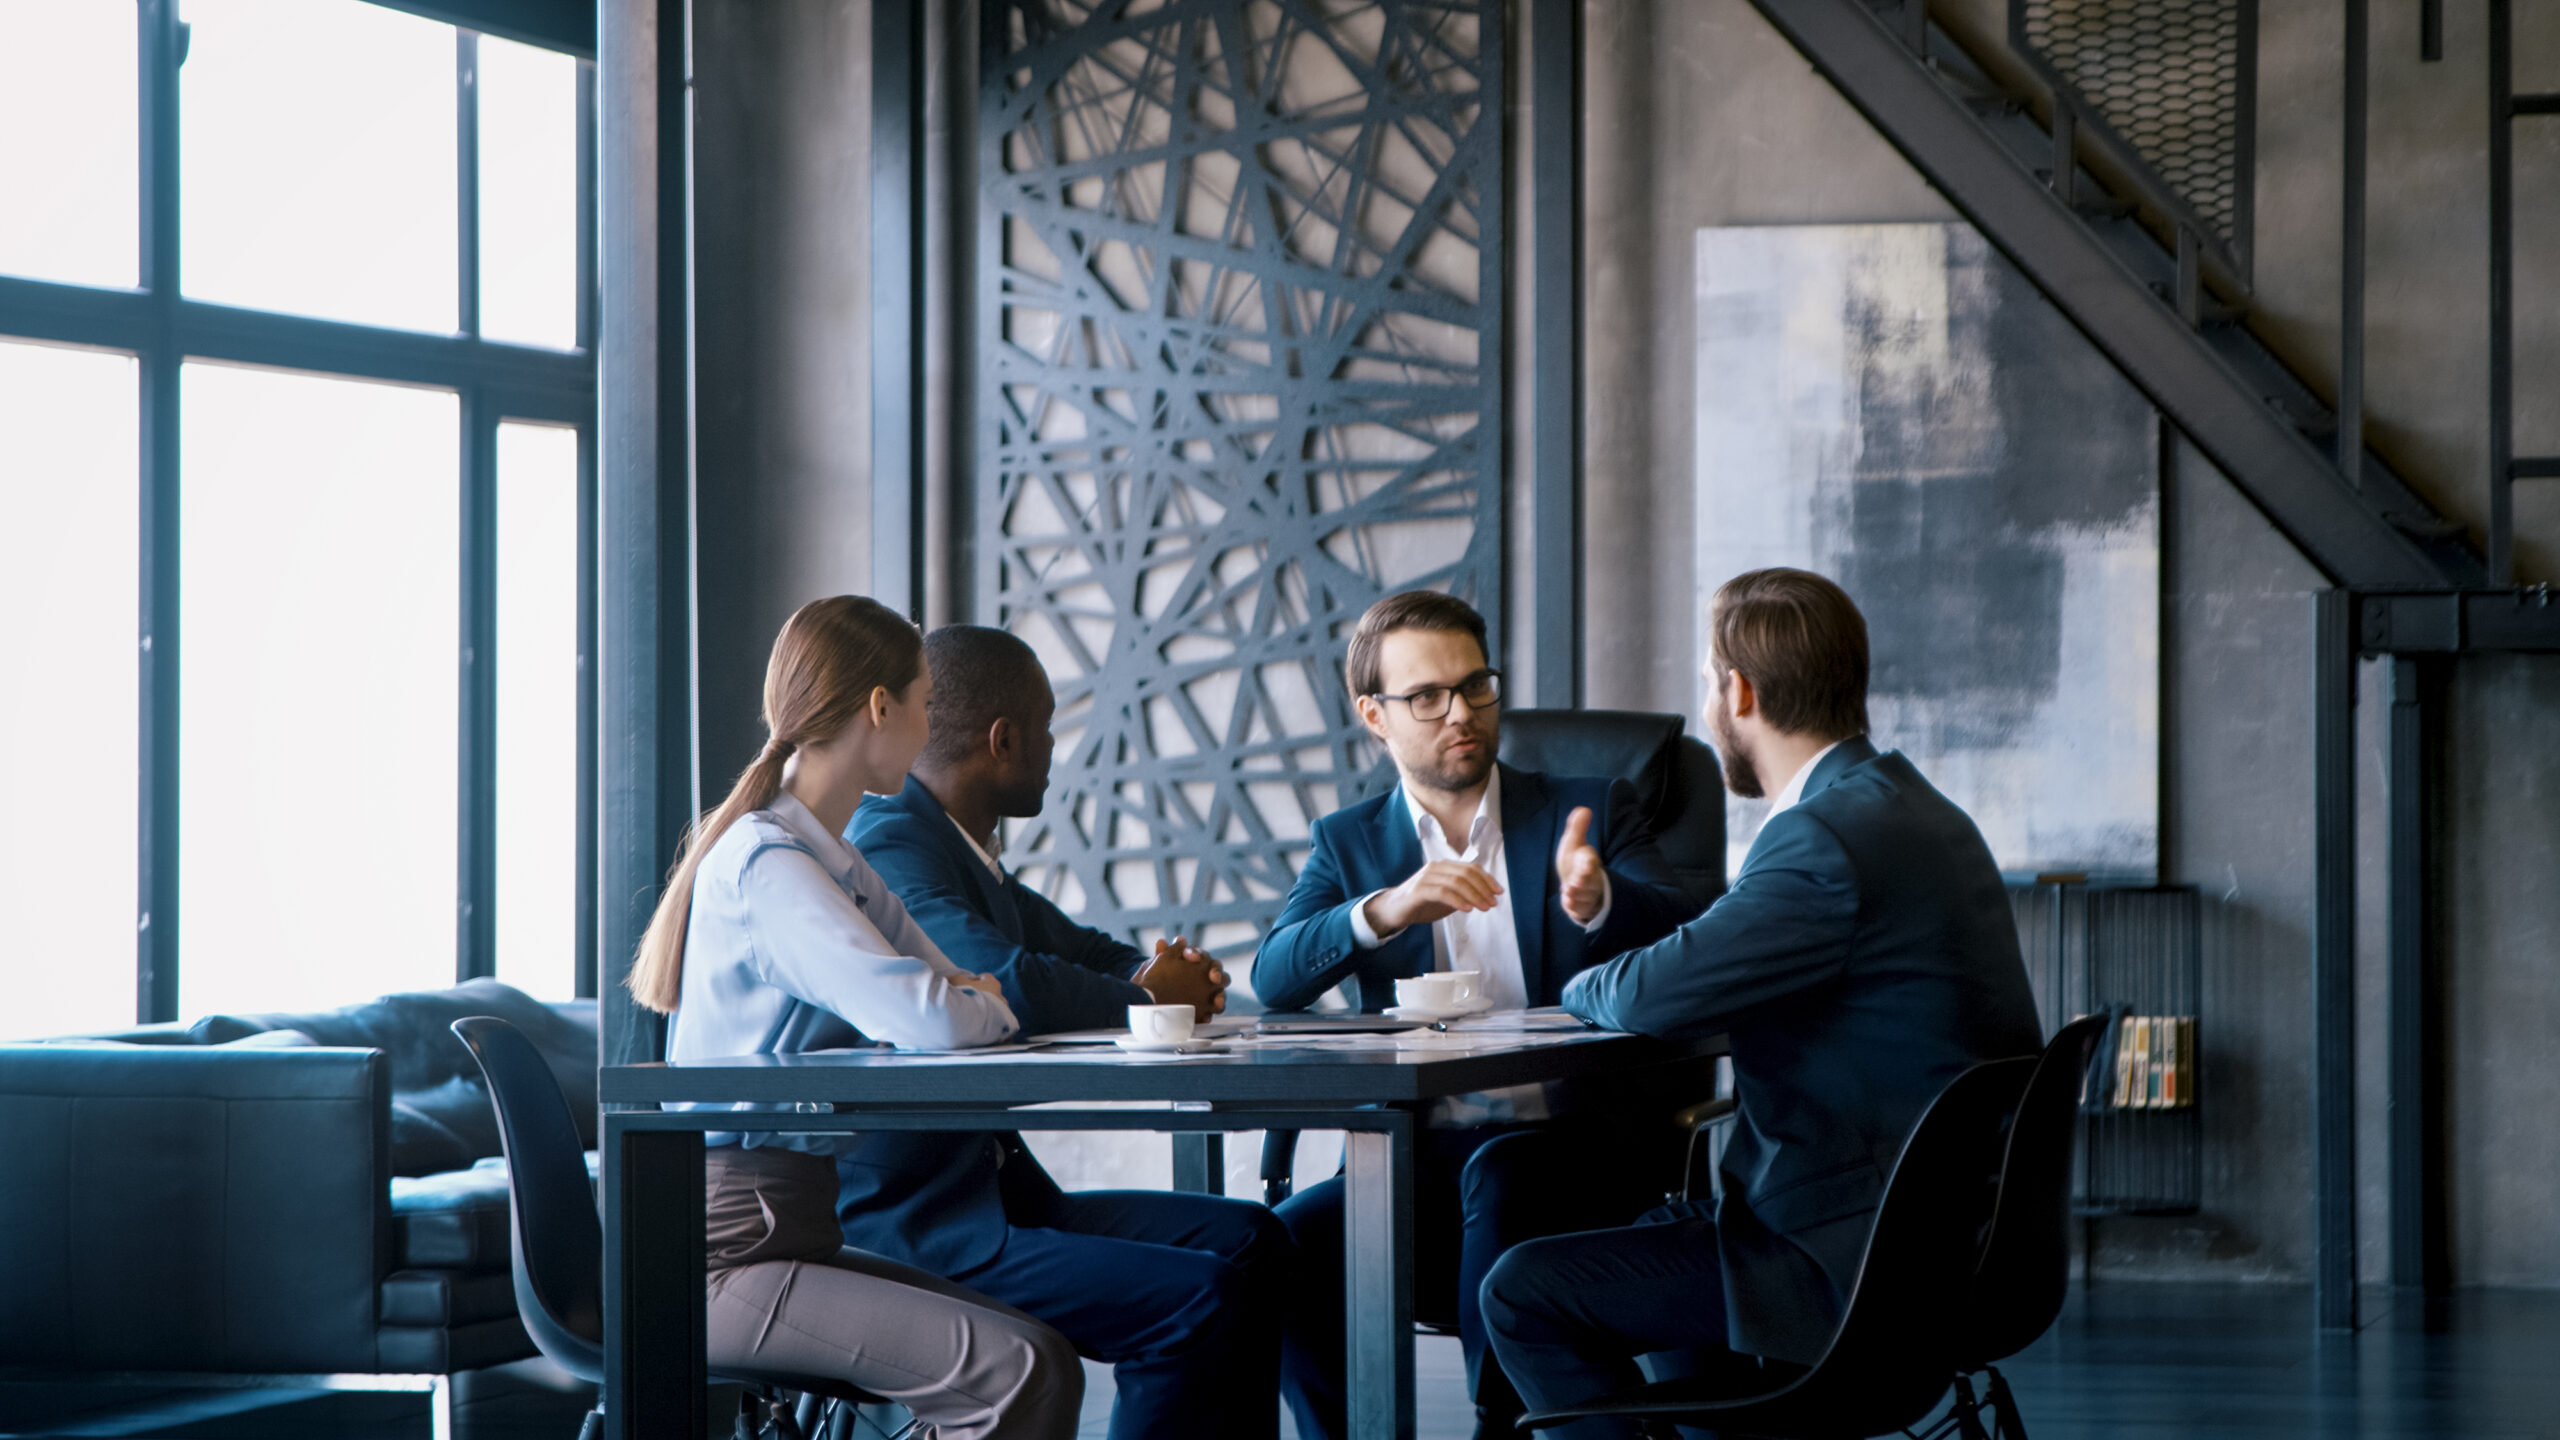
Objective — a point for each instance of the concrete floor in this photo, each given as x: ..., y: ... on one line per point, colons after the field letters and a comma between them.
x: 2126, y: 1360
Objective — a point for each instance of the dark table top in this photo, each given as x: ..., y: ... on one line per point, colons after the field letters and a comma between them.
x: 1410, y: 1068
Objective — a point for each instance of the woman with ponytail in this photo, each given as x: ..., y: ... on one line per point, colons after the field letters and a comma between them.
x: 773, y: 937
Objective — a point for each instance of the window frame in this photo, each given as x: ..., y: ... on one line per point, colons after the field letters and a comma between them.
x: 495, y: 381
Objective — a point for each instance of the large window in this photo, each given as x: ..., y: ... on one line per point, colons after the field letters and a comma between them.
x: 296, y: 391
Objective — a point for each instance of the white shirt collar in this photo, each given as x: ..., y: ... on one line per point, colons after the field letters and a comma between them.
x: 992, y: 863
x: 1794, y: 790
x: 1487, y: 821
x: 793, y: 816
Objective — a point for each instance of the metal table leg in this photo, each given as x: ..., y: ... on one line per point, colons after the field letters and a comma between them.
x: 654, y: 1311
x: 1200, y: 1161
x: 1377, y: 1258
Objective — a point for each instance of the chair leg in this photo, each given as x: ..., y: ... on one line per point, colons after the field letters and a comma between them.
x: 1968, y: 1410
x: 2004, y: 1409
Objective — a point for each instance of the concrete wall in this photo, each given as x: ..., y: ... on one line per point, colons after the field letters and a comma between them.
x: 1702, y: 115
x: 782, y: 355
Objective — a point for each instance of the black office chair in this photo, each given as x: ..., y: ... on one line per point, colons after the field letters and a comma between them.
x: 1679, y: 788
x: 2025, y: 1271
x: 1974, y: 1214
x: 559, y: 1245
x: 1679, y: 795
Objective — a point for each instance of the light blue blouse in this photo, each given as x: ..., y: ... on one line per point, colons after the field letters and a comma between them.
x: 796, y: 944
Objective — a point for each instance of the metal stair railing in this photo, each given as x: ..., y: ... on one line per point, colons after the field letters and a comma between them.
x: 2147, y: 306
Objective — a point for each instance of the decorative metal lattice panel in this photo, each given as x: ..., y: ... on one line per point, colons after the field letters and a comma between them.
x: 1240, y: 322
x: 2170, y: 80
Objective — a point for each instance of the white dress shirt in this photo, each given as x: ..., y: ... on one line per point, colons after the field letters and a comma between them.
x: 796, y: 944
x: 1793, y: 790
x: 1480, y: 940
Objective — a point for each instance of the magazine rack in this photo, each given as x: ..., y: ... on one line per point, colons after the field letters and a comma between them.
x: 2135, y: 954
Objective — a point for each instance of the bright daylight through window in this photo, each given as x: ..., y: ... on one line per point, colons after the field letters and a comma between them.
x: 278, y: 596
x: 69, y: 733
x: 321, y: 562
x: 537, y: 826
x: 319, y: 161
x: 69, y: 152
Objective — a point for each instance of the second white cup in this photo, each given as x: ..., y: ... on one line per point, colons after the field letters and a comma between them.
x: 1435, y: 992
x: 1160, y: 1024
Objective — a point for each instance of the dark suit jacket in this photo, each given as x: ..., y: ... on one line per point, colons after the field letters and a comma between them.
x: 1864, y: 957
x: 1372, y: 845
x: 938, y: 1201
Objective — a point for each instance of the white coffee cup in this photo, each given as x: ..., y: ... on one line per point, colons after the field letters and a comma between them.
x: 1160, y: 1024
x: 1436, y: 992
x: 1469, y: 985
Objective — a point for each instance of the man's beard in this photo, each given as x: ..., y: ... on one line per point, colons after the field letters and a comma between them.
x: 1741, y: 776
x: 1456, y: 773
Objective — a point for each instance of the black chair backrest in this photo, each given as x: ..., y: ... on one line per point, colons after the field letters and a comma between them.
x: 559, y: 1243
x: 1679, y: 787
x: 1895, y: 1354
x: 2025, y: 1269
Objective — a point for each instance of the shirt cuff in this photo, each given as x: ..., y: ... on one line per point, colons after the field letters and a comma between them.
x: 1608, y: 896
x: 1363, y: 936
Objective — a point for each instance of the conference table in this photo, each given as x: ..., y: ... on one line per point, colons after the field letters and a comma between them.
x: 1285, y: 1073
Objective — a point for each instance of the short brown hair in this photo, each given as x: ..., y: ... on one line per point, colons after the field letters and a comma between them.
x: 1412, y: 610
x: 1802, y: 644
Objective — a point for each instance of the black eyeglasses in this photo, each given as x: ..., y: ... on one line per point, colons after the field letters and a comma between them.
x: 1431, y: 702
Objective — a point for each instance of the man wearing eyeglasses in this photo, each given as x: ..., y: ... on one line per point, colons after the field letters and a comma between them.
x: 1467, y: 864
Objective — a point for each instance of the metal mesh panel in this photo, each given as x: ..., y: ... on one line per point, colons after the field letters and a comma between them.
x: 1240, y: 305
x: 2168, y: 78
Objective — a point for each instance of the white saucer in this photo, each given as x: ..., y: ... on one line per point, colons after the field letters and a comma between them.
x: 1427, y: 1016
x: 1194, y: 1046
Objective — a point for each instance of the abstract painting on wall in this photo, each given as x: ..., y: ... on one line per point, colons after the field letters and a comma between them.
x: 1896, y: 407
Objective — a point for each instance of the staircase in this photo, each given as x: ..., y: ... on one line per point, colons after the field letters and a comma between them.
x: 2031, y: 188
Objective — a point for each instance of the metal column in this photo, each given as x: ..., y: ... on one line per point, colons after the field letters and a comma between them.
x: 644, y: 695
x: 897, y: 305
x: 2333, y: 960
x: 1555, y: 349
x: 2419, y: 1256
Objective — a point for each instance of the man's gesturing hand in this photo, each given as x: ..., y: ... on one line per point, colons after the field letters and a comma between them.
x: 1580, y: 878
x: 1180, y: 975
x: 1439, y: 889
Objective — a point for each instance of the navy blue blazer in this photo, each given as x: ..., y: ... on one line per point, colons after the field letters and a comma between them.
x: 938, y: 1201
x: 1372, y: 845
x: 1864, y: 957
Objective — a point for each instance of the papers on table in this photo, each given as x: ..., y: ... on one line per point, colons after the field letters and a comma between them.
x: 1214, y: 1030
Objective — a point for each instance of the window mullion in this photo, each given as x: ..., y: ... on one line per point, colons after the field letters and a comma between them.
x: 161, y: 50
x: 466, y: 66
x: 476, y: 908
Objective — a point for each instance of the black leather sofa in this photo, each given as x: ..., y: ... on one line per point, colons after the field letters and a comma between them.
x: 313, y: 1194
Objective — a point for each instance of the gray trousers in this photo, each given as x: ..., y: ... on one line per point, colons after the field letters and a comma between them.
x: 787, y: 1294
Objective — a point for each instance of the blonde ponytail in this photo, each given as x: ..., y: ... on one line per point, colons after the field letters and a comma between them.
x: 829, y: 658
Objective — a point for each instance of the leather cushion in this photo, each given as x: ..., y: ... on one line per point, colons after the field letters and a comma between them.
x: 443, y: 1350
x: 456, y: 1220
x: 453, y: 1221
x: 446, y: 1297
x: 440, y: 1114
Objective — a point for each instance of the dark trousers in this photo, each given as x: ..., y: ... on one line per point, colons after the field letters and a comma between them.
x: 1182, y: 1295
x: 1476, y: 1193
x: 1569, y: 1315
